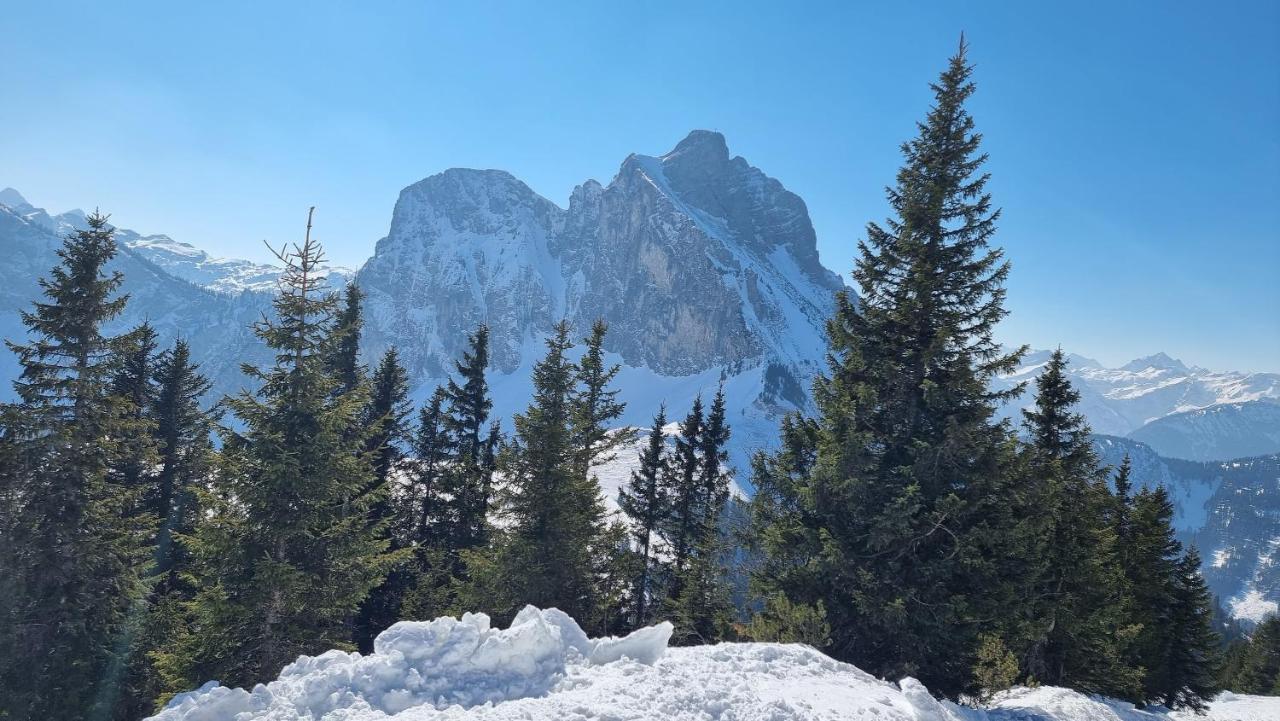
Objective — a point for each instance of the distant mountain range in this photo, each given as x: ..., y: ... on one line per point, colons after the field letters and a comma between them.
x: 705, y: 268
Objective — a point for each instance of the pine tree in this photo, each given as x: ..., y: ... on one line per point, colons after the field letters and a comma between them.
x: 645, y: 503
x: 908, y: 449
x: 71, y: 563
x: 284, y: 552
x: 343, y: 357
x: 1079, y: 597
x: 1190, y: 673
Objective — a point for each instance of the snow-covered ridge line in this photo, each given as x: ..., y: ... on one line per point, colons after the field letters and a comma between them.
x: 544, y: 668
x: 182, y: 260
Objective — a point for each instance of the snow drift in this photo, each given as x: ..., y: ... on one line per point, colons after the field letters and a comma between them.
x: 544, y: 668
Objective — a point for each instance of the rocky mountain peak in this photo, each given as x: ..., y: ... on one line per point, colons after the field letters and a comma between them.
x: 1159, y: 361
x: 13, y: 199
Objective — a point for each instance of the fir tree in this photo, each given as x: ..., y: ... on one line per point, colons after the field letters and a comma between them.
x: 1259, y: 671
x: 344, y: 355
x: 555, y: 518
x: 427, y: 518
x: 133, y: 383
x: 184, y: 461
x: 185, y: 457
x: 384, y: 416
x: 285, y: 551
x: 471, y: 477
x: 1190, y: 674
x: 1079, y: 596
x: 909, y: 455
x: 1152, y: 567
x: 644, y: 501
x: 683, y: 486
x: 595, y: 407
x: 71, y: 590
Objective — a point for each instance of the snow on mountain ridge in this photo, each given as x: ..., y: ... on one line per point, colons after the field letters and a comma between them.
x: 183, y: 260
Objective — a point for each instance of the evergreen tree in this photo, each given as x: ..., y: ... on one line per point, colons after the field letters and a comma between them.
x: 1079, y: 596
x: 908, y: 450
x: 343, y: 357
x: 1153, y: 563
x: 555, y: 517
x: 285, y: 551
x: 427, y: 518
x: 683, y: 524
x: 185, y: 457
x: 133, y: 384
x: 384, y: 420
x: 384, y: 416
x: 471, y: 477
x: 595, y: 408
x: 1260, y: 664
x: 71, y: 563
x: 1190, y: 672
x: 184, y: 461
x: 645, y: 503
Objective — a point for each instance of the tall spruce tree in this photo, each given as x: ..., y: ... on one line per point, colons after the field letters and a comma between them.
x: 907, y: 446
x: 185, y: 457
x: 596, y: 407
x: 555, y: 517
x: 1079, y: 614
x: 343, y: 357
x: 133, y: 383
x: 645, y: 502
x: 470, y: 476
x: 184, y: 460
x: 73, y: 554
x: 1190, y: 678
x: 384, y: 419
x: 1152, y: 566
x: 683, y: 484
x: 285, y: 551
x: 1259, y: 667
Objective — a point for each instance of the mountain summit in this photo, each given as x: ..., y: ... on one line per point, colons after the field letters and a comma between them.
x: 705, y: 268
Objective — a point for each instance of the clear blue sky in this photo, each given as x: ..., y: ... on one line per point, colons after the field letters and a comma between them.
x: 1135, y: 147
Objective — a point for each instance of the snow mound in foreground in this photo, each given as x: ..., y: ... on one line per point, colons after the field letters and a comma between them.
x: 544, y: 668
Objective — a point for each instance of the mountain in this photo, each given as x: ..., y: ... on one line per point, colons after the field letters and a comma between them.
x: 182, y: 260
x: 1230, y: 510
x: 1185, y: 412
x: 1227, y: 430
x: 217, y: 325
x: 705, y: 268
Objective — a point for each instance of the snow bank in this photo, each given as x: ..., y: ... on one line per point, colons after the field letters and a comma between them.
x: 544, y: 668
x: 423, y: 665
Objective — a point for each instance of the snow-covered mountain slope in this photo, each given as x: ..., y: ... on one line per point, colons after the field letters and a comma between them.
x: 1228, y: 430
x: 182, y: 260
x: 1119, y: 401
x: 705, y: 269
x: 217, y: 325
x: 544, y: 668
x: 1230, y: 510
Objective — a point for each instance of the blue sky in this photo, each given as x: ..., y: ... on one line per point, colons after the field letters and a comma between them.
x: 1135, y: 147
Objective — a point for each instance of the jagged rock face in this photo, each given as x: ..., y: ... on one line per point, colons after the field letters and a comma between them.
x: 695, y: 259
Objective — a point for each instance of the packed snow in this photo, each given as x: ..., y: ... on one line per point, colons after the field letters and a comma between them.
x: 544, y: 668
